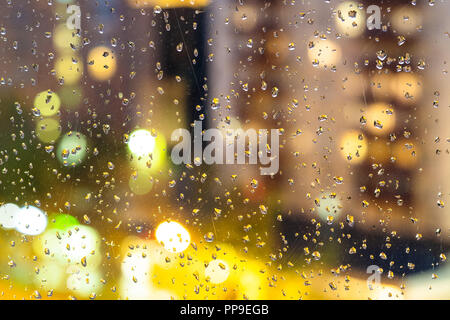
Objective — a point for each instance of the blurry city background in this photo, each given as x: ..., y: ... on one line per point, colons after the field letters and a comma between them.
x: 94, y: 208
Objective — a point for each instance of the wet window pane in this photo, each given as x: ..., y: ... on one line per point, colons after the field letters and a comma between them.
x: 205, y: 149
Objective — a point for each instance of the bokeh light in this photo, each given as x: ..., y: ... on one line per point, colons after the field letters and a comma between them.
x: 31, y: 221
x: 47, y: 102
x: 72, y: 148
x: 141, y: 143
x: 380, y: 118
x: 8, y: 215
x: 173, y: 236
x: 65, y: 39
x: 353, y: 146
x: 69, y: 69
x: 48, y: 130
x: 102, y: 63
x: 323, y: 53
x: 329, y: 207
x: 350, y: 18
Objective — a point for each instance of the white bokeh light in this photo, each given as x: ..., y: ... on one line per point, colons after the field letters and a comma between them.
x: 31, y: 221
x: 173, y: 236
x: 141, y: 143
x: 8, y: 215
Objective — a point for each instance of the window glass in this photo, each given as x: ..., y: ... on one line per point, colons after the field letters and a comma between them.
x: 206, y: 149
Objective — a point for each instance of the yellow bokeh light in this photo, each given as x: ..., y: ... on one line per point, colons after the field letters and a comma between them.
x: 173, y: 236
x: 350, y: 19
x: 217, y: 271
x: 380, y: 118
x: 353, y: 146
x: 102, y: 63
x: 65, y: 39
x: 48, y: 130
x: 323, y: 52
x: 47, y: 102
x: 250, y: 284
x: 69, y: 68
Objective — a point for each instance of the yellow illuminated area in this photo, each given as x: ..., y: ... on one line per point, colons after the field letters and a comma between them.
x: 69, y: 69
x: 247, y: 279
x: 380, y: 118
x: 48, y: 130
x: 217, y: 271
x: 83, y: 281
x: 47, y: 103
x: 386, y: 292
x: 251, y: 285
x: 323, y: 53
x: 102, y: 63
x: 71, y: 149
x: 167, y: 3
x: 74, y: 260
x: 353, y: 146
x: 140, y: 256
x: 406, y: 19
x: 74, y: 245
x: 173, y: 236
x: 51, y: 276
x: 65, y: 39
x: 350, y: 19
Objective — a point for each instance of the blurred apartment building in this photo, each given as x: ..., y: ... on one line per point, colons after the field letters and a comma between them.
x: 354, y: 108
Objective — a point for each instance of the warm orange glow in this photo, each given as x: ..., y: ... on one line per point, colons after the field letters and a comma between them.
x: 102, y: 63
x: 353, y: 146
x: 380, y: 118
